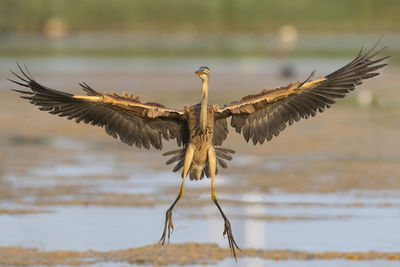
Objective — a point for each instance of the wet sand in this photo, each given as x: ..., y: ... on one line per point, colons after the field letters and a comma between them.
x: 182, y: 254
x: 349, y: 152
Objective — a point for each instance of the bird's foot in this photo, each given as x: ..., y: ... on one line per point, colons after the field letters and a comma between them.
x: 169, y: 226
x: 231, y: 240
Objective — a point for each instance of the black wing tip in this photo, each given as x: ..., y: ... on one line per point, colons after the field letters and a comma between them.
x: 19, y: 83
x: 26, y: 73
x: 24, y: 79
x: 22, y: 92
x: 370, y: 53
x: 366, y: 60
x: 373, y: 51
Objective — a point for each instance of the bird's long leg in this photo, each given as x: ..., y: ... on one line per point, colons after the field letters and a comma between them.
x: 168, y: 215
x: 227, y: 228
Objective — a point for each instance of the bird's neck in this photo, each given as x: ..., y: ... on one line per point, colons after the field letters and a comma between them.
x: 204, y: 104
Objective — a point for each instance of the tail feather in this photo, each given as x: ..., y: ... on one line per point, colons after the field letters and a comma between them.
x: 223, y: 153
x: 193, y: 175
x: 178, y: 157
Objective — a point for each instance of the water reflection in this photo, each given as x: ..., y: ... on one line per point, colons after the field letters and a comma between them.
x: 255, y: 235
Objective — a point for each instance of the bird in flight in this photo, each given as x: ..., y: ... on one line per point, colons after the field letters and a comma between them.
x: 201, y: 129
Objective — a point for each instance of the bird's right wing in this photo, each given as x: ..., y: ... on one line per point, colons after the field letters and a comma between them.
x: 266, y: 114
x: 123, y: 116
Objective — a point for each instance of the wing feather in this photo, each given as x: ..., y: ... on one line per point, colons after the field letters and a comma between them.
x: 264, y: 115
x: 220, y: 132
x: 122, y: 116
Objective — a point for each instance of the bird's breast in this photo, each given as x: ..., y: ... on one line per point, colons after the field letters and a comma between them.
x: 193, y: 115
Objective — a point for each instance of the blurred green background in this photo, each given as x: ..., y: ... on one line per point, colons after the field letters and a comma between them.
x: 255, y: 16
x: 188, y: 28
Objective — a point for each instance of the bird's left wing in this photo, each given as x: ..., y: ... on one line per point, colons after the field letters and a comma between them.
x: 266, y: 114
x: 123, y: 116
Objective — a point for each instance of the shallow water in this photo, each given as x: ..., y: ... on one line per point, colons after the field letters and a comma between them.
x: 165, y: 65
x: 83, y: 228
x: 344, y: 221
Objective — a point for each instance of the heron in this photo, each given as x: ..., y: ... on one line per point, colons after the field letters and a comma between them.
x: 201, y: 129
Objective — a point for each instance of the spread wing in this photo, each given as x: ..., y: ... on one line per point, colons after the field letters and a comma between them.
x: 266, y: 114
x: 142, y: 124
x: 220, y: 132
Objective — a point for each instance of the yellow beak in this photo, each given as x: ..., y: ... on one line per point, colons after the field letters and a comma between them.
x: 199, y: 72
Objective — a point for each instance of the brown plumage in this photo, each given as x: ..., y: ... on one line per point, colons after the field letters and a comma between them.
x: 201, y: 129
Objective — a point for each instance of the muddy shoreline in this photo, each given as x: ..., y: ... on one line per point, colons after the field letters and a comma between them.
x: 156, y: 255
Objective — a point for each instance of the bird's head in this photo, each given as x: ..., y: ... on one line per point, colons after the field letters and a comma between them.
x: 203, y: 72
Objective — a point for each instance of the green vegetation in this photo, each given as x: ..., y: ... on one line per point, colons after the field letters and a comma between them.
x: 214, y: 28
x: 202, y: 16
